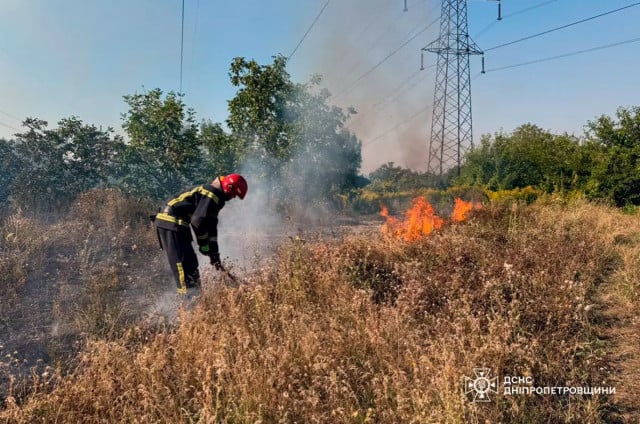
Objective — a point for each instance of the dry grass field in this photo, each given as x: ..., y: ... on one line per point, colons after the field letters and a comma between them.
x: 356, y: 329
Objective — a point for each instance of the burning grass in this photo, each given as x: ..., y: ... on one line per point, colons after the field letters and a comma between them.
x: 370, y: 329
x: 421, y: 219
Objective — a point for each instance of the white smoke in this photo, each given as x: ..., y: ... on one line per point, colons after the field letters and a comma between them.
x: 249, y: 230
x: 368, y: 52
x: 165, y: 305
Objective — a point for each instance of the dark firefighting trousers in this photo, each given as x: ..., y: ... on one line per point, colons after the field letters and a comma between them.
x: 182, y: 258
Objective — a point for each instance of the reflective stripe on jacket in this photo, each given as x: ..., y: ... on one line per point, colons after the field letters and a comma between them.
x: 197, y: 207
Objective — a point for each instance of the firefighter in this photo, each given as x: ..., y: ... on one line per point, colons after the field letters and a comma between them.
x: 197, y: 208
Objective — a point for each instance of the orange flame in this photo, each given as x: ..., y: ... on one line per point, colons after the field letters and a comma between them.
x: 461, y: 210
x: 421, y: 219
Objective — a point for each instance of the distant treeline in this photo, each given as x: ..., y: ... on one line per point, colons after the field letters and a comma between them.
x: 279, y: 133
x: 289, y: 139
x: 603, y: 165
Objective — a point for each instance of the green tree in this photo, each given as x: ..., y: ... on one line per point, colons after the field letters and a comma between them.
x: 222, y: 152
x: 55, y: 165
x: 261, y: 113
x: 164, y: 151
x: 530, y: 156
x: 616, y: 173
x: 623, y: 132
x: 481, y: 164
x: 327, y: 158
x: 618, y: 177
x: 9, y: 168
x: 288, y: 134
x: 391, y: 178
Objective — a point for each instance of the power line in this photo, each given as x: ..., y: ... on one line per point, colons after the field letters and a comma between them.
x: 560, y: 56
x: 360, y: 58
x: 562, y: 27
x: 509, y: 15
x: 10, y: 115
x: 195, y: 31
x: 9, y: 126
x: 309, y: 30
x: 485, y: 29
x: 386, y: 98
x: 527, y: 9
x: 384, y: 59
x: 181, y: 45
x: 397, y: 93
x: 398, y: 125
x: 374, y: 16
x: 375, y: 43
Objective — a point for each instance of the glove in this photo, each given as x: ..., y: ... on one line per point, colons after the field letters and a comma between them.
x: 215, y: 261
x: 204, y: 249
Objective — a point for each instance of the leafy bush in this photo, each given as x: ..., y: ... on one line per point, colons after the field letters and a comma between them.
x: 54, y: 166
x: 526, y: 195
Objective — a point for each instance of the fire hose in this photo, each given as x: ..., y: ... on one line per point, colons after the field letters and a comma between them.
x: 219, y: 267
x: 229, y: 275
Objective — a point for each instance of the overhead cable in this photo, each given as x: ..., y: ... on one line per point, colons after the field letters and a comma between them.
x: 395, y: 94
x: 309, y: 30
x: 384, y: 59
x: 527, y: 9
x: 398, y: 125
x: 393, y: 91
x: 10, y: 115
x: 181, y: 45
x: 509, y: 15
x: 531, y: 62
x: 9, y: 126
x: 562, y: 27
x: 375, y: 43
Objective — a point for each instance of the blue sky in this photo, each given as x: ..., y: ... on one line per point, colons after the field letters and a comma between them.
x: 79, y: 57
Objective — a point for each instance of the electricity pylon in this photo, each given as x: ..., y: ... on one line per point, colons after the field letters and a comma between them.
x: 451, y: 126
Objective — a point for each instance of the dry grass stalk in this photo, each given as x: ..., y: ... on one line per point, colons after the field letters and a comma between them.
x: 369, y: 329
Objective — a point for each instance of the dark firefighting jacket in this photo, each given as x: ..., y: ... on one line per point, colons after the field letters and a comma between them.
x: 197, y: 207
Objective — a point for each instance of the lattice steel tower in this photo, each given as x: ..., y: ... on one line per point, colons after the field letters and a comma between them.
x: 451, y: 126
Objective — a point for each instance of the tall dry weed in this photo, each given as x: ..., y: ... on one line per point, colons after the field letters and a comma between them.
x: 72, y: 279
x: 368, y: 329
x: 110, y: 256
x: 22, y: 248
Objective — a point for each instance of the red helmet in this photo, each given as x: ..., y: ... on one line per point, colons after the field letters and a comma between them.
x: 234, y: 185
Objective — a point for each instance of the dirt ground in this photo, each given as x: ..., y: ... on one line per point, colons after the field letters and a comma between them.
x: 40, y: 325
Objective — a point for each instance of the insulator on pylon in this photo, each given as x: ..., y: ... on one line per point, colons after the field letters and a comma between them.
x: 405, y: 6
x: 422, y: 60
x: 499, y: 10
x: 483, y: 71
x: 451, y: 124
